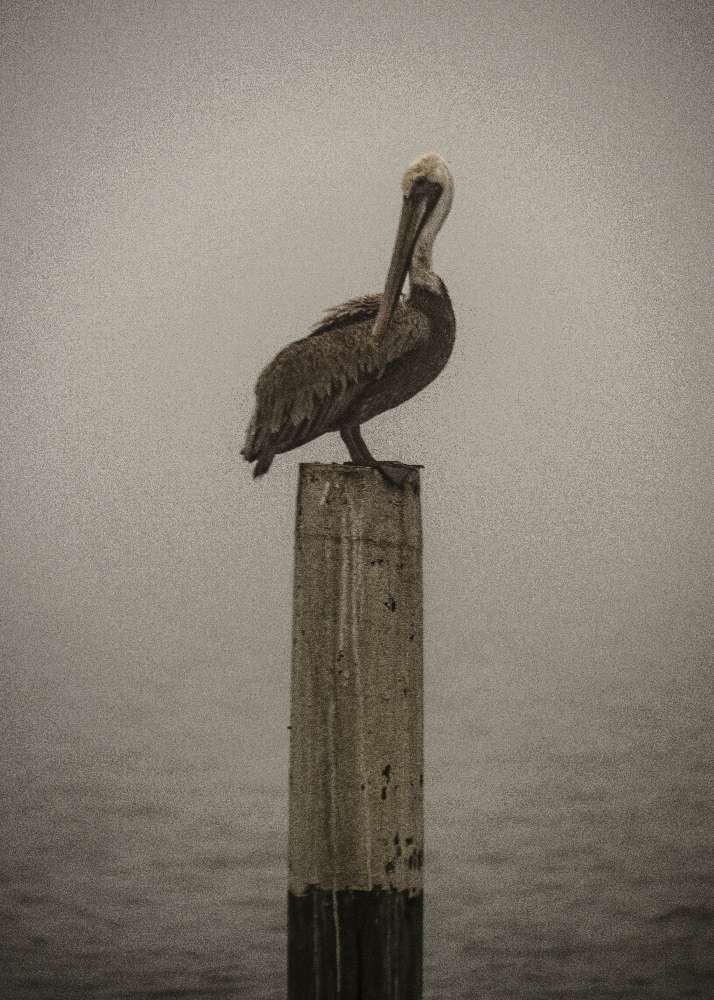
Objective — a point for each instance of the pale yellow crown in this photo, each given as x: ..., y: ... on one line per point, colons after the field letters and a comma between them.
x: 431, y: 166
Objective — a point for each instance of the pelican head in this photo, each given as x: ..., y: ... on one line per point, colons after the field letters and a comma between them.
x: 428, y: 189
x: 430, y: 168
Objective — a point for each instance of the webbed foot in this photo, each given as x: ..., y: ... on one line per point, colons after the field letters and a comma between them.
x: 396, y: 473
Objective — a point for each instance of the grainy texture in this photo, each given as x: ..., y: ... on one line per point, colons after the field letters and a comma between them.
x: 356, y: 749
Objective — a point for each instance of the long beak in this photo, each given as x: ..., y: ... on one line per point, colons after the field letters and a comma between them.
x: 416, y: 209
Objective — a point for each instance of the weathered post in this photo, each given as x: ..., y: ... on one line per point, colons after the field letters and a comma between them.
x: 356, y: 747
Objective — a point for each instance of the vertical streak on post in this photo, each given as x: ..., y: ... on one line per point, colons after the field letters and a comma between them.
x: 356, y: 837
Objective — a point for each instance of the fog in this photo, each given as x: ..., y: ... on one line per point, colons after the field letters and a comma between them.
x: 185, y: 189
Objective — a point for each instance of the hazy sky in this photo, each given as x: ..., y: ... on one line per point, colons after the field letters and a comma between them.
x: 186, y: 186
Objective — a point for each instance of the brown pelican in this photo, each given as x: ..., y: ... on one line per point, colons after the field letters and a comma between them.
x: 371, y: 353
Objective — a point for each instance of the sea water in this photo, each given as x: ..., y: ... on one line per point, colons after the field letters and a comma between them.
x: 144, y: 844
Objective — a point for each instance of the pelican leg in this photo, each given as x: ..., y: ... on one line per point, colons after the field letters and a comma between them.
x: 394, y: 472
x: 359, y: 452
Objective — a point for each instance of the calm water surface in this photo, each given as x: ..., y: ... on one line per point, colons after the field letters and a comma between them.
x: 144, y: 840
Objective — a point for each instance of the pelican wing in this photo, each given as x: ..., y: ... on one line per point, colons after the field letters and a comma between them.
x: 309, y: 385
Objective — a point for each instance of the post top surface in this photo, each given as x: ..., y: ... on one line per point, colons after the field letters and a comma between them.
x: 336, y: 470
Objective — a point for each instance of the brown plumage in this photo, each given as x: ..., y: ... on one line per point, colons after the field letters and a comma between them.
x: 369, y: 354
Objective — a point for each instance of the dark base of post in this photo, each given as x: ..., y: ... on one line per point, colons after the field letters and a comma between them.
x: 355, y: 945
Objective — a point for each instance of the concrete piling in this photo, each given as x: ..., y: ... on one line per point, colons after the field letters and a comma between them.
x: 356, y: 741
